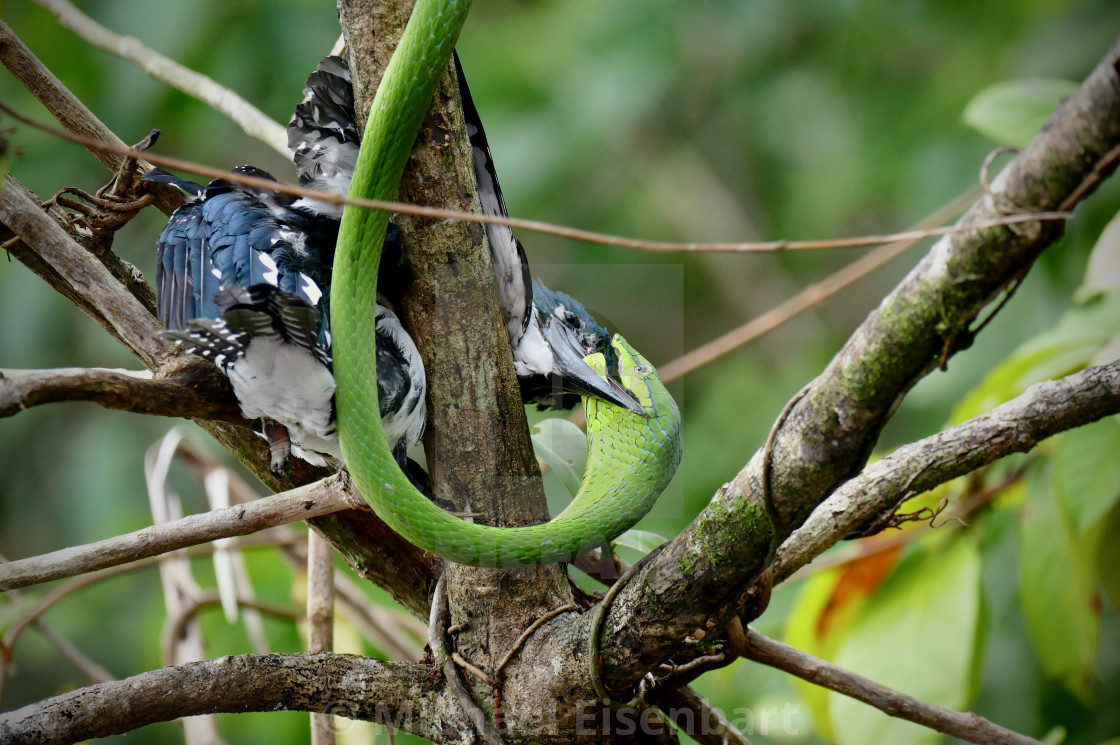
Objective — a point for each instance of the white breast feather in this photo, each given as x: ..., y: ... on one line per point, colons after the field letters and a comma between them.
x: 285, y: 382
x: 407, y: 425
x: 532, y: 355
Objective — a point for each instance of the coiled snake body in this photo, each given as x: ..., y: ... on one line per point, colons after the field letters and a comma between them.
x: 631, y: 458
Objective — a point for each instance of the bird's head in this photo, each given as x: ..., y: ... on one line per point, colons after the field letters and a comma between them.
x: 573, y: 334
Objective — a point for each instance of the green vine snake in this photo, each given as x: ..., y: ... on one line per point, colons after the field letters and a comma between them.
x: 631, y: 458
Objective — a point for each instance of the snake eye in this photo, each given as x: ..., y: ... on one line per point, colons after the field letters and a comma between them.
x: 643, y: 369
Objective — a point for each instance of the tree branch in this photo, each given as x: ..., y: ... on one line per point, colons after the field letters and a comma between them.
x: 320, y: 618
x: 367, y: 544
x: 94, y: 671
x: 695, y: 716
x: 181, y: 624
x: 54, y: 255
x: 442, y: 660
x: 970, y: 727
x: 252, y: 120
x: 828, y: 431
x: 927, y: 318
x: 71, y: 113
x: 477, y: 439
x: 320, y: 594
x: 65, y: 647
x: 377, y: 554
x: 320, y: 498
x: 1017, y: 426
x: 338, y: 684
x: 195, y: 391
x: 56, y: 595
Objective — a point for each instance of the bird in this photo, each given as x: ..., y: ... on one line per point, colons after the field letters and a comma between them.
x: 631, y: 456
x: 549, y: 332
x: 242, y: 279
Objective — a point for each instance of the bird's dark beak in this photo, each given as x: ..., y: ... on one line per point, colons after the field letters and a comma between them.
x: 573, y: 375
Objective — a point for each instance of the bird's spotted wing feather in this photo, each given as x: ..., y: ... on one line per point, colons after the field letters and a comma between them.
x: 265, y: 312
x: 212, y: 339
x: 323, y: 134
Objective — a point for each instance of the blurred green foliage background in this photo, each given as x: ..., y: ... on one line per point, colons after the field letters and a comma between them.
x: 711, y: 120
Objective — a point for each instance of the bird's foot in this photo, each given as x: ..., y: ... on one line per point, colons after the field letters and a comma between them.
x: 279, y: 446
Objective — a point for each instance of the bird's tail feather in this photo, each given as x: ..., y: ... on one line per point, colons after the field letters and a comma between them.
x: 263, y: 311
x: 323, y: 134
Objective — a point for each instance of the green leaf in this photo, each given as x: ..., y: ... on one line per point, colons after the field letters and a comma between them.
x: 563, y: 446
x: 917, y: 634
x: 642, y: 541
x: 1108, y: 559
x: 803, y: 631
x: 1013, y: 112
x: 1055, y: 735
x: 1074, y: 342
x: 1103, y: 271
x: 1087, y: 472
x: 1057, y: 586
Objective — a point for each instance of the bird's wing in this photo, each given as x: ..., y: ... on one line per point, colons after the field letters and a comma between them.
x: 323, y: 133
x: 183, y: 269
x: 511, y: 267
x: 253, y: 242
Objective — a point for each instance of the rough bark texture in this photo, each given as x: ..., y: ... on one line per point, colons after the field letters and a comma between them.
x: 403, y: 695
x: 477, y: 439
x: 451, y: 308
x: 829, y: 431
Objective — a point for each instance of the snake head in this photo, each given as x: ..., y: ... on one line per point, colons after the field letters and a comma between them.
x: 617, y: 392
x: 637, y: 378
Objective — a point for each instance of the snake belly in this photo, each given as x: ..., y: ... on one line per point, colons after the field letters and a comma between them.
x: 631, y: 458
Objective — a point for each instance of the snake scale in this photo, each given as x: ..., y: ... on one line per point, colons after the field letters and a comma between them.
x: 631, y: 458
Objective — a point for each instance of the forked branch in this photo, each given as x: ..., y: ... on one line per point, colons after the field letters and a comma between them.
x: 1018, y: 426
x: 306, y: 502
x: 827, y: 432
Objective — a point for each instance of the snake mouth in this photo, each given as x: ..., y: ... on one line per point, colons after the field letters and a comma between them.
x: 629, y: 401
x: 576, y: 376
x: 630, y: 361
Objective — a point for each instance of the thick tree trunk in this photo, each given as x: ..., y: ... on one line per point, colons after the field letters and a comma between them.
x: 480, y: 455
x: 477, y: 443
